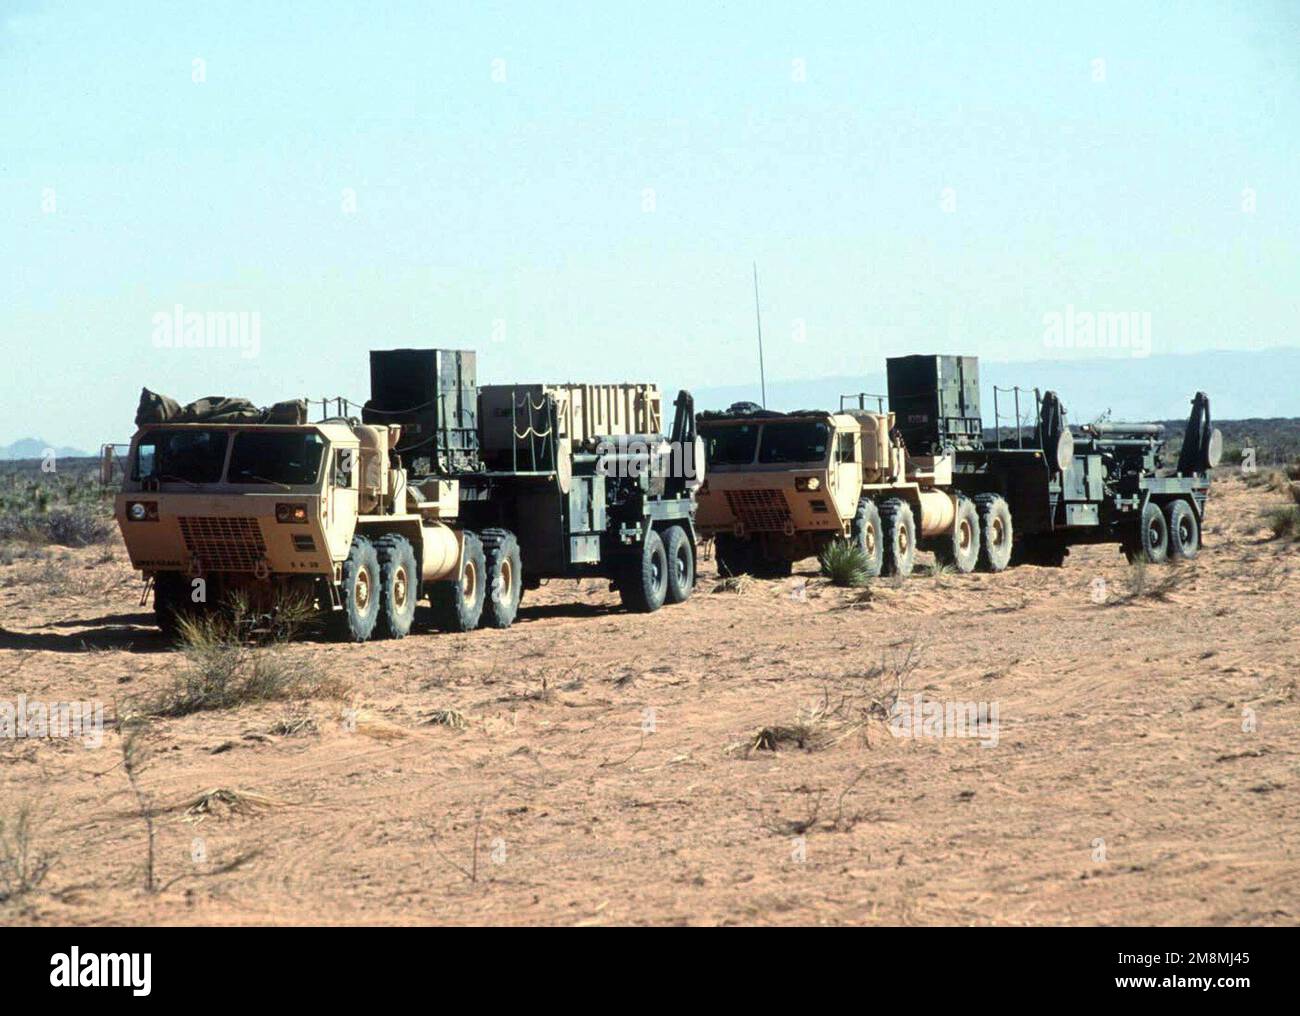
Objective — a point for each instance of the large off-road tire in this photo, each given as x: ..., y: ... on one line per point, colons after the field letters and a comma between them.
x: 960, y: 549
x: 644, y: 582
x: 458, y: 603
x: 1149, y: 543
x: 868, y: 535
x: 1184, y: 530
x: 681, y: 564
x: 899, y: 528
x: 399, y: 585
x: 996, y: 533
x: 505, y: 578
x: 360, y: 593
x: 733, y: 555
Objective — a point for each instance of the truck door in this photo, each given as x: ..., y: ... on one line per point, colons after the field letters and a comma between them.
x: 342, y: 499
x: 846, y: 471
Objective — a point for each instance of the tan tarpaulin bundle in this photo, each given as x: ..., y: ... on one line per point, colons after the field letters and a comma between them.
x: 155, y: 408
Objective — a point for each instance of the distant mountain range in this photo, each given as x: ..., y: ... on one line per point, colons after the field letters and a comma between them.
x: 31, y: 448
x: 1241, y: 385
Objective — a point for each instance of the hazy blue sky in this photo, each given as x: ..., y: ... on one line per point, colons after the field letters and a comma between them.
x: 909, y: 178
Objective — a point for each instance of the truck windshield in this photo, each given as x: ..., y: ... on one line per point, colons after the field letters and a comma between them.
x: 730, y: 445
x: 191, y: 456
x: 804, y: 441
x: 261, y: 456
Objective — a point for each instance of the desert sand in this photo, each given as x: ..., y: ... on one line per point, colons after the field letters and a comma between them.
x: 614, y: 768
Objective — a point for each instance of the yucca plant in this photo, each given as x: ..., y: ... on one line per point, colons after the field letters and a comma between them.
x: 845, y: 564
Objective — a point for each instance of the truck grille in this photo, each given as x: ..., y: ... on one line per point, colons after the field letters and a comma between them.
x: 223, y: 544
x: 760, y: 511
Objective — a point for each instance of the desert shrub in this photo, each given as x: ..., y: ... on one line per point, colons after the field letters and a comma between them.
x: 234, y: 657
x: 1284, y: 522
x: 23, y: 864
x: 845, y: 564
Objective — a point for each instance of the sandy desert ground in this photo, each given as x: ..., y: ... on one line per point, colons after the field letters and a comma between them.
x: 613, y: 768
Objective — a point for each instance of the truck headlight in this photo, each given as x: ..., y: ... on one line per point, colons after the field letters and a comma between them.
x: 290, y: 513
x: 142, y: 511
x: 807, y: 483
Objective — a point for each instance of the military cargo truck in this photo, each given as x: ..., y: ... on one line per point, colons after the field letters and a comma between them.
x: 1040, y: 485
x: 441, y: 489
x: 781, y: 486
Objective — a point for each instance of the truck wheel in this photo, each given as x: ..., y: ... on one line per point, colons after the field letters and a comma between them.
x: 681, y: 564
x: 505, y: 578
x: 996, y: 535
x: 645, y: 578
x: 399, y: 585
x: 360, y: 592
x: 868, y: 537
x: 733, y: 555
x: 899, y: 528
x: 960, y: 549
x: 1151, y: 541
x: 1184, y: 530
x: 458, y: 603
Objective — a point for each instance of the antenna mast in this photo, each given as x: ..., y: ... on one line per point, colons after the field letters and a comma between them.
x: 758, y: 316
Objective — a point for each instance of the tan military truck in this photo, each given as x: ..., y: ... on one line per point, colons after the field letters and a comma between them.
x: 443, y: 489
x: 780, y: 486
x: 316, y: 510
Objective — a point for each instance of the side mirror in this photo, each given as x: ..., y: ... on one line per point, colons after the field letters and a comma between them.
x: 106, y: 462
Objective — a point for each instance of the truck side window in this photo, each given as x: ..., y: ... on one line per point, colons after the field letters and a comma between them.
x: 846, y: 448
x: 345, y: 461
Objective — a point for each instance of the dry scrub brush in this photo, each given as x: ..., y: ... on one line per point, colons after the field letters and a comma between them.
x: 236, y: 656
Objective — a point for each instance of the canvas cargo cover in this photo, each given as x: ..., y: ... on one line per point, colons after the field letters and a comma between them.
x: 155, y: 408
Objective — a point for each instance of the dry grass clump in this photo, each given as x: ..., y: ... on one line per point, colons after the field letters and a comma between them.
x: 447, y: 718
x: 807, y: 732
x: 732, y: 584
x: 236, y: 657
x: 23, y: 865
x: 223, y: 800
x: 1284, y: 522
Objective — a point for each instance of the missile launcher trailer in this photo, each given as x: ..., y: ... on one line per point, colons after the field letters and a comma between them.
x: 1040, y: 485
x: 781, y: 486
x: 463, y: 493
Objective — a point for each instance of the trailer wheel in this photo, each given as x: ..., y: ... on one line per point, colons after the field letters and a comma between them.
x: 645, y: 578
x: 960, y: 549
x: 899, y: 528
x: 505, y: 578
x: 1184, y: 530
x: 734, y: 556
x: 681, y: 564
x: 996, y: 534
x: 1150, y: 543
x: 458, y: 603
x: 399, y: 585
x: 868, y: 537
x: 360, y: 592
